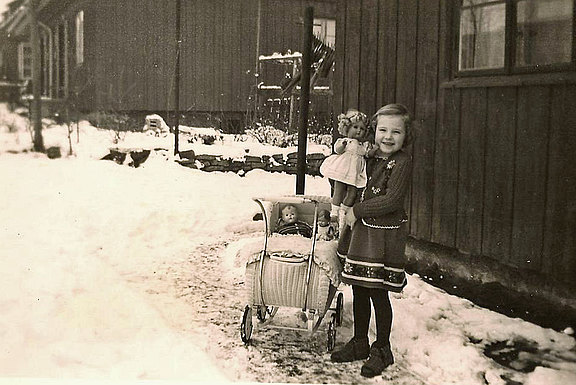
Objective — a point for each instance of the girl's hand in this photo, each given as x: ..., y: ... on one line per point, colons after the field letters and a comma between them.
x: 350, y: 218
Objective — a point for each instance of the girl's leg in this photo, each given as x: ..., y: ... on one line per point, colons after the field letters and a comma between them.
x: 380, y: 353
x: 383, y: 310
x: 361, y: 310
x: 357, y: 348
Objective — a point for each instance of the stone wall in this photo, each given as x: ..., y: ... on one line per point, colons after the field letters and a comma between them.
x: 274, y: 163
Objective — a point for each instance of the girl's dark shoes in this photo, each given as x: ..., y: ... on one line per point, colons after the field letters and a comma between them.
x: 352, y: 351
x: 380, y: 358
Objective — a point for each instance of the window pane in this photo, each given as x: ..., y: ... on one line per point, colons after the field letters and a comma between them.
x: 325, y: 29
x: 544, y: 32
x: 482, y: 36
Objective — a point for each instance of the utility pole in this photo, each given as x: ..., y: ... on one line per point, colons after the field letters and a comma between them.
x: 304, y: 100
x: 36, y: 113
x: 177, y: 80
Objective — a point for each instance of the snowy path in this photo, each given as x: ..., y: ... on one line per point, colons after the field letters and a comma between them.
x: 273, y: 355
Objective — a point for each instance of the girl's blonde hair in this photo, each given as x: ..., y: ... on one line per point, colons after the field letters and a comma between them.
x: 396, y: 109
x: 351, y: 116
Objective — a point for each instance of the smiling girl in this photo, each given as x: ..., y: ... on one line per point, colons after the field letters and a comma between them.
x: 372, y: 248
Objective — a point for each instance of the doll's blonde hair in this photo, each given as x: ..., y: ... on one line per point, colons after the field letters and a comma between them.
x: 351, y: 116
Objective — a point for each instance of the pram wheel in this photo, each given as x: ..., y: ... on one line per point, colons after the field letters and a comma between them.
x: 246, y: 325
x: 264, y: 312
x: 331, y: 333
x: 339, y: 309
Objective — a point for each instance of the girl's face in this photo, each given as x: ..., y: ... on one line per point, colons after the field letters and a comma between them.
x: 357, y: 130
x: 390, y: 134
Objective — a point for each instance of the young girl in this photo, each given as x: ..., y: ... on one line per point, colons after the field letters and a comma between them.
x: 347, y: 168
x: 372, y: 248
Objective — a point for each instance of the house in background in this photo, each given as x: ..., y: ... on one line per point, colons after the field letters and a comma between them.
x: 492, y: 88
x: 110, y: 55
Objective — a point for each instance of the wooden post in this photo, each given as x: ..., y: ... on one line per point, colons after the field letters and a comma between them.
x: 304, y: 99
x: 36, y: 112
x: 257, y: 67
x: 177, y: 81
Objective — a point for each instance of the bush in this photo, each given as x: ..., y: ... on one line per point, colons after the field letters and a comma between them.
x: 268, y: 135
x: 113, y: 121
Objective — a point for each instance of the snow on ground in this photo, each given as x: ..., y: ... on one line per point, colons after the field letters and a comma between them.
x: 79, y: 235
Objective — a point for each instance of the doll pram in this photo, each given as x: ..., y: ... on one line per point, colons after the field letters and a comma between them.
x: 283, y: 272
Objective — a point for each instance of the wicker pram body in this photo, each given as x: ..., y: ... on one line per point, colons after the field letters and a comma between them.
x: 292, y: 270
x: 283, y: 283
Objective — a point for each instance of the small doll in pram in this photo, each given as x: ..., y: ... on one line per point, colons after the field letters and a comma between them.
x: 289, y: 222
x: 326, y: 230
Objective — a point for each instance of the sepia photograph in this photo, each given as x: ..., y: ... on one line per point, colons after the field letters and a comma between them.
x: 287, y: 192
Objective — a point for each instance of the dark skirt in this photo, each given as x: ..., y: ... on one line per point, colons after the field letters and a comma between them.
x: 374, y: 257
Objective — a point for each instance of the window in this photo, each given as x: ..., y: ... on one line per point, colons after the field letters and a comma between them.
x: 24, y: 61
x: 80, y: 37
x: 544, y: 32
x: 325, y: 29
x: 515, y: 35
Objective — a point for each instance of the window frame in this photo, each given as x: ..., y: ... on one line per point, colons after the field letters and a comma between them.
x: 79, y: 35
x: 510, y: 48
x: 21, y: 53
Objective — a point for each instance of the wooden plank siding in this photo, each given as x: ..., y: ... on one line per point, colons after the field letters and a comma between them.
x: 471, y: 170
x: 406, y: 54
x: 353, y: 16
x: 131, y: 45
x: 530, y: 175
x: 499, y: 172
x: 426, y: 96
x: 560, y: 217
x: 494, y: 172
x: 339, y: 63
x: 368, y: 74
x: 446, y: 169
x: 387, y: 47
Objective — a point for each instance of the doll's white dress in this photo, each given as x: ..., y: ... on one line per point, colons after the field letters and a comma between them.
x: 348, y: 167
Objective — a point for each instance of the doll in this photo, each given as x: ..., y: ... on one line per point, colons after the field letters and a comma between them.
x: 326, y: 231
x: 290, y: 224
x: 347, y: 167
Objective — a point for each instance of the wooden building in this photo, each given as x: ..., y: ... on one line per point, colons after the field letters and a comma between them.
x: 492, y: 89
x: 120, y: 55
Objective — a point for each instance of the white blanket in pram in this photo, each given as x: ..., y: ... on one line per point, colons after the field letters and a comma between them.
x: 325, y: 255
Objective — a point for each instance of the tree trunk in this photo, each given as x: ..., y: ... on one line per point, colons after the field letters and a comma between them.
x: 36, y: 112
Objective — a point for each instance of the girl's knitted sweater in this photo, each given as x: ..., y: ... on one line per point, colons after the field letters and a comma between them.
x: 381, y: 203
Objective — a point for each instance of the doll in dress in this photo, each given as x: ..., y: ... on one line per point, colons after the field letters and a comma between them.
x: 326, y: 231
x: 347, y: 167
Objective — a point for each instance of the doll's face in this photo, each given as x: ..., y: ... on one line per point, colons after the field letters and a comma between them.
x: 357, y: 130
x: 289, y: 214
